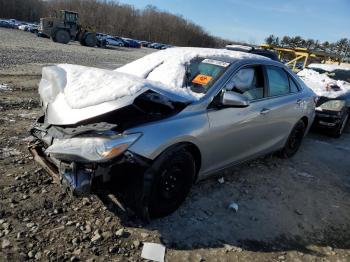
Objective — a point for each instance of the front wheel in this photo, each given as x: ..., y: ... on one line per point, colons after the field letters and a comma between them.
x: 294, y: 140
x: 173, y: 179
x: 90, y: 40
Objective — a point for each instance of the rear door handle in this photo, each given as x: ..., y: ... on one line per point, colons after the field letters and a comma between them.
x: 299, y: 101
x: 264, y: 111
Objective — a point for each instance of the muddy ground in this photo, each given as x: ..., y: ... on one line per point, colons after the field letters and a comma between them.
x: 289, y: 210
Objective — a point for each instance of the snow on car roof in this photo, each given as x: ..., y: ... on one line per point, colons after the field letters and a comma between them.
x: 318, y: 83
x: 329, y: 67
x: 162, y: 71
x: 168, y: 66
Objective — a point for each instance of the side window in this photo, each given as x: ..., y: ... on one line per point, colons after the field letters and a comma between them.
x: 293, y: 86
x: 248, y: 82
x: 278, y: 81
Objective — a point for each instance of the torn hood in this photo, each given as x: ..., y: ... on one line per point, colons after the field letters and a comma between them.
x: 73, y: 93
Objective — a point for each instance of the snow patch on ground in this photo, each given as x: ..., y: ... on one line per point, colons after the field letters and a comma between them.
x: 329, y: 67
x: 5, y: 87
x: 168, y: 66
x: 318, y: 83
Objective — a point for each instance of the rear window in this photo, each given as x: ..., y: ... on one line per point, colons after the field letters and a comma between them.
x: 202, y: 73
x: 278, y: 81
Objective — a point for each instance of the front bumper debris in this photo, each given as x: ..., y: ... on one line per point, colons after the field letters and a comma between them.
x: 126, y: 174
x: 76, y: 180
x: 40, y: 158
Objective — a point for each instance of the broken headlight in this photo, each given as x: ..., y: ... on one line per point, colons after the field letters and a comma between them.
x: 332, y: 105
x: 91, y: 149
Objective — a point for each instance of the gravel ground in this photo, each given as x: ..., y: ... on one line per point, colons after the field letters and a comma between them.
x: 27, y: 53
x: 289, y: 210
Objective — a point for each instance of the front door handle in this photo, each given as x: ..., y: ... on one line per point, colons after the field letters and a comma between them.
x: 299, y: 101
x: 264, y: 111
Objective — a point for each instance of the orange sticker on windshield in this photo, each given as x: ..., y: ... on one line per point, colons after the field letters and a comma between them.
x: 201, y: 79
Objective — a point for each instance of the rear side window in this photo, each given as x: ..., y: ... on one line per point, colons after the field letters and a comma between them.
x: 293, y: 86
x: 278, y: 81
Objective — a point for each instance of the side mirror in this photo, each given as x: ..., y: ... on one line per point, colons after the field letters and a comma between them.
x: 233, y: 99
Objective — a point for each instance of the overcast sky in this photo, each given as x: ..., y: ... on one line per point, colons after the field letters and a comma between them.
x: 253, y: 20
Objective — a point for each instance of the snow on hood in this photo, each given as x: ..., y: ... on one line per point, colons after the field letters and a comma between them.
x: 168, y: 66
x: 329, y: 67
x: 72, y: 93
x: 86, y: 86
x: 318, y: 83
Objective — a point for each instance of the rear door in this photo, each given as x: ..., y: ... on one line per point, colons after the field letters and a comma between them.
x: 284, y: 107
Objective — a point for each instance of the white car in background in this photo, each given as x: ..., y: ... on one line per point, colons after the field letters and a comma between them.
x: 114, y: 41
x: 23, y: 27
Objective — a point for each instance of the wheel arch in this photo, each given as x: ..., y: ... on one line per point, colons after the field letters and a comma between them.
x: 305, y: 119
x: 189, y: 147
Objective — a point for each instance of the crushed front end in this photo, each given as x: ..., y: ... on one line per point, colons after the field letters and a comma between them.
x: 84, y: 157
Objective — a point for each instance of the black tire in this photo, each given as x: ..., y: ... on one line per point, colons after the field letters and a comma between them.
x: 339, y: 130
x: 61, y: 36
x: 294, y: 140
x: 90, y: 40
x: 173, y: 179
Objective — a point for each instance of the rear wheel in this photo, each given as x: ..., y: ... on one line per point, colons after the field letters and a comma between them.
x: 173, y: 179
x: 62, y: 37
x: 294, y: 140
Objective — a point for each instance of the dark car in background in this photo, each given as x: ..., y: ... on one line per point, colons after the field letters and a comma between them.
x: 254, y: 50
x: 333, y: 105
x: 131, y: 43
x: 5, y: 24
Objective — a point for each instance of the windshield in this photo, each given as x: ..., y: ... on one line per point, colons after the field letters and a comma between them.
x: 202, y: 73
x: 337, y: 74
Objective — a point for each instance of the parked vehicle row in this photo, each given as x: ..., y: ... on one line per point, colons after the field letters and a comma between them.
x: 128, y: 42
x: 15, y: 24
x: 103, y: 39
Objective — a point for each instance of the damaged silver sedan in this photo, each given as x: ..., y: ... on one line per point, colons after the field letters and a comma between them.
x: 165, y: 121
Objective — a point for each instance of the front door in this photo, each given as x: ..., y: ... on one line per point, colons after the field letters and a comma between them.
x: 236, y: 134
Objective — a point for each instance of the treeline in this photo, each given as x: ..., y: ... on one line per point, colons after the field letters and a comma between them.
x: 114, y: 18
x: 28, y: 10
x: 340, y: 47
